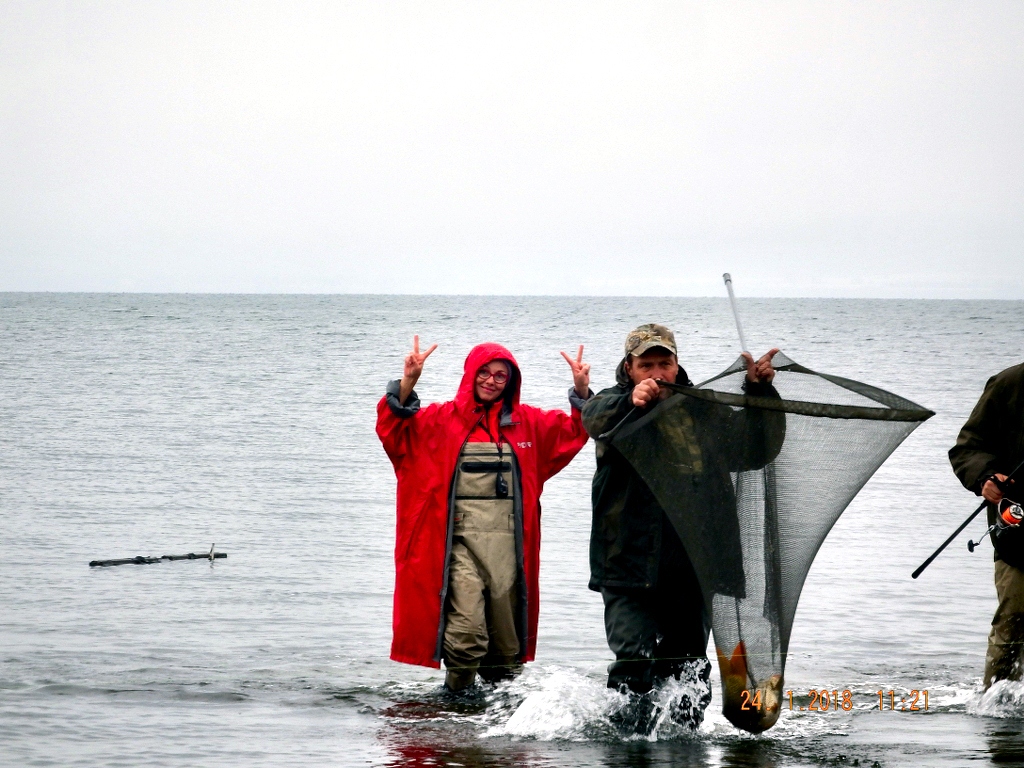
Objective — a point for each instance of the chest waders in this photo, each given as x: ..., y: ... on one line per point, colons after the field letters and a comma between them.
x: 480, y: 632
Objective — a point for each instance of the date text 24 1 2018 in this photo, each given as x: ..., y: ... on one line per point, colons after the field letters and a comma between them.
x: 824, y: 701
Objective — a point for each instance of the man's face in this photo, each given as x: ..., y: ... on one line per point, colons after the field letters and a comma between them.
x: 657, y: 363
x: 490, y: 381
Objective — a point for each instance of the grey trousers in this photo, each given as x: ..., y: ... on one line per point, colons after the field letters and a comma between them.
x: 653, y: 632
x: 1006, y: 639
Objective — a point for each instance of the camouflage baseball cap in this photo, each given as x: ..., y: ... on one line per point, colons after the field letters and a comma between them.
x: 648, y: 336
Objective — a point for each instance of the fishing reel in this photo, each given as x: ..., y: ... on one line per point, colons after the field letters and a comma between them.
x: 1009, y: 516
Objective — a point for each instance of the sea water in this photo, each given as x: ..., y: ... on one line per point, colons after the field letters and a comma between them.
x: 164, y: 424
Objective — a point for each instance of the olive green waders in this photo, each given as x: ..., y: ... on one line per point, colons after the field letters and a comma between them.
x: 1006, y: 639
x: 480, y: 628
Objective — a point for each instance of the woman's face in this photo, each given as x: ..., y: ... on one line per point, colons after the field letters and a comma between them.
x: 491, y: 380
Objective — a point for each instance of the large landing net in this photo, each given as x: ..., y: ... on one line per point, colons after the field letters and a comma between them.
x: 753, y: 485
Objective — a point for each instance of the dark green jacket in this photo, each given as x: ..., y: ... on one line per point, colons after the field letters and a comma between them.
x: 628, y: 522
x: 992, y: 441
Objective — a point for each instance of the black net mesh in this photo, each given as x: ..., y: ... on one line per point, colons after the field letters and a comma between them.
x: 753, y: 485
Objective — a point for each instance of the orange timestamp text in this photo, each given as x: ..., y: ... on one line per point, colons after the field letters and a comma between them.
x: 835, y: 700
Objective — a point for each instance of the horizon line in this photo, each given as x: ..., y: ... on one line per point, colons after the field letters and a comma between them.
x: 492, y: 295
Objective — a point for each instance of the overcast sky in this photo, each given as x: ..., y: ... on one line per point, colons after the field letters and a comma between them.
x: 811, y: 149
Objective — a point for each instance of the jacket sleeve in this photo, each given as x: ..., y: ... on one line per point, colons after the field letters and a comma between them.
x: 561, y: 436
x: 606, y: 410
x: 397, y: 423
x: 755, y: 435
x: 975, y: 455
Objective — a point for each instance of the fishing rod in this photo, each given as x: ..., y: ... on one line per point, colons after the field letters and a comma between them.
x: 1010, y: 516
x: 141, y: 560
x: 1002, y: 486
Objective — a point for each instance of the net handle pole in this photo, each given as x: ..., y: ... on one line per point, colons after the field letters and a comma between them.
x: 735, y: 311
x: 963, y: 525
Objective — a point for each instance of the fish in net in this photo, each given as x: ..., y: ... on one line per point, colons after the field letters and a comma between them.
x: 752, y: 485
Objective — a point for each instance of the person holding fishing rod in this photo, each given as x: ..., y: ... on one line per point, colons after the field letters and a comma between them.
x: 987, y: 458
x: 656, y: 622
x: 467, y: 551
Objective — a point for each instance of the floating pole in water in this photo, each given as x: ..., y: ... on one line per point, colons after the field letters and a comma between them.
x: 140, y: 560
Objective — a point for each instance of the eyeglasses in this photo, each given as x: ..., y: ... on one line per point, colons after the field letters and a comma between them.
x: 500, y: 377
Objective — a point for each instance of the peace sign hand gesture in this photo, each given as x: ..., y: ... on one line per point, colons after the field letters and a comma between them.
x: 761, y: 371
x: 580, y: 373
x: 415, y: 359
x: 413, y: 368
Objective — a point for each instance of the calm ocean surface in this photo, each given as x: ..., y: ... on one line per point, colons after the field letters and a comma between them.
x: 151, y: 424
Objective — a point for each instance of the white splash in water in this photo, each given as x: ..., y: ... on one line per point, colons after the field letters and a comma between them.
x: 1004, y: 699
x: 559, y: 704
x: 951, y: 696
x: 556, y: 703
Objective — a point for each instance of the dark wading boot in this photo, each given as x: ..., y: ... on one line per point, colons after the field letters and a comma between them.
x: 458, y: 680
x: 637, y: 716
x: 499, y: 673
x: 687, y: 710
x: 641, y: 712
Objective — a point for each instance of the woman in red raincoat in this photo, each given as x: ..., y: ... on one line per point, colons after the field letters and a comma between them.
x: 467, y: 547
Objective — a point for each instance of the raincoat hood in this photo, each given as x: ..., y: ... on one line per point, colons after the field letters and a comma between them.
x: 478, y: 357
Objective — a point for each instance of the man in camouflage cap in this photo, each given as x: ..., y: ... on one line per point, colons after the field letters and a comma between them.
x: 649, y: 336
x: 655, y: 618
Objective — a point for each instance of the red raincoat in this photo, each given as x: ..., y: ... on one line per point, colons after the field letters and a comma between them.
x: 424, y: 447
